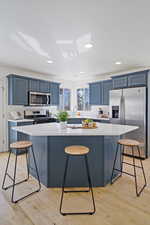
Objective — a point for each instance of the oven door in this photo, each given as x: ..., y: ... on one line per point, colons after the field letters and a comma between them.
x: 38, y: 98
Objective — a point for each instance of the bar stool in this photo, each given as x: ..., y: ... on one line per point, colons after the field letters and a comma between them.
x: 20, y: 145
x: 132, y: 144
x: 77, y: 150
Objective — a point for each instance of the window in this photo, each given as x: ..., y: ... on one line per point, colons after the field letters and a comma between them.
x: 83, y: 99
x: 64, y: 97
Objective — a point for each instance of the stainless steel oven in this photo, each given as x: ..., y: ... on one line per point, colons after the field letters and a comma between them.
x: 39, y: 99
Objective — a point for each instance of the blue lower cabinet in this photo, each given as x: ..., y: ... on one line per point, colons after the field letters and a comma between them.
x: 75, y: 121
x: 101, y: 121
x: 14, y: 136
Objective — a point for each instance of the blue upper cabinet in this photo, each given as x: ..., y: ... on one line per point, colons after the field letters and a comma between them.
x: 99, y: 92
x: 17, y: 90
x: 120, y: 82
x: 130, y: 80
x: 34, y: 85
x: 39, y: 86
x: 95, y: 91
x: 137, y: 79
x: 107, y: 86
x: 19, y: 87
x: 54, y: 90
x: 44, y: 86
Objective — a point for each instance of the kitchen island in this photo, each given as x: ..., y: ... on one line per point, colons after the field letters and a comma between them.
x: 49, y: 141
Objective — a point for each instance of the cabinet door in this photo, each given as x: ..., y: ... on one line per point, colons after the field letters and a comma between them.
x: 74, y: 121
x: 120, y: 82
x: 54, y: 90
x: 34, y: 85
x: 44, y: 86
x: 95, y: 93
x: 107, y: 86
x: 17, y: 91
x: 137, y: 79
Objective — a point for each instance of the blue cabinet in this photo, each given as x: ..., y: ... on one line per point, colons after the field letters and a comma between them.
x: 130, y: 80
x: 39, y: 86
x: 54, y: 90
x: 99, y: 92
x: 44, y: 86
x: 19, y: 87
x: 13, y: 135
x: 137, y: 79
x: 95, y: 90
x: 17, y: 90
x: 107, y: 86
x: 34, y: 85
x: 120, y: 82
x: 101, y: 121
x: 75, y: 120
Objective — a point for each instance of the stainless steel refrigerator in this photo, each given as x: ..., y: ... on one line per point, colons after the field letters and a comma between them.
x: 128, y: 106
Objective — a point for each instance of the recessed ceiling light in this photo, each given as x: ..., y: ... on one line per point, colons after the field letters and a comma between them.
x: 118, y: 63
x: 88, y: 45
x: 50, y: 61
x: 82, y: 72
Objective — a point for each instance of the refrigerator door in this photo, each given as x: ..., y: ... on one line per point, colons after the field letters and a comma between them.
x: 135, y: 114
x: 115, y: 106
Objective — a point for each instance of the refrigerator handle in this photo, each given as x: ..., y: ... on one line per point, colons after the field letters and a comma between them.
x: 122, y: 110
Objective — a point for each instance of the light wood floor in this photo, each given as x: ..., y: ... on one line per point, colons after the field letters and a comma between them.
x: 115, y: 205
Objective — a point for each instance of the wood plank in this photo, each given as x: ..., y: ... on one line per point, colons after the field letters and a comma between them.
x: 115, y: 204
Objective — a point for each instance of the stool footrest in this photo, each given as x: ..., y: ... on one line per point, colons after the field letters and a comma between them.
x: 26, y: 196
x: 125, y: 172
x: 76, y: 191
x: 132, y: 165
x: 78, y: 213
x: 9, y: 176
x: 10, y: 186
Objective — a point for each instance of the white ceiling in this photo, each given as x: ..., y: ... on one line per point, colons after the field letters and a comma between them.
x: 33, y: 32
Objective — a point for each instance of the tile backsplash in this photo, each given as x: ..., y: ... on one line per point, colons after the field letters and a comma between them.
x: 12, y: 108
x: 54, y: 109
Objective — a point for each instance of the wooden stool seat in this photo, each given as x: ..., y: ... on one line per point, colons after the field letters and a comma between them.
x: 21, y: 144
x: 128, y: 142
x: 76, y: 150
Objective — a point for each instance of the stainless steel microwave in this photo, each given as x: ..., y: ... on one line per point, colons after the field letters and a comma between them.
x: 39, y: 99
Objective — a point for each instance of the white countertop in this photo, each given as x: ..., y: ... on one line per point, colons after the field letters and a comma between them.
x: 21, y: 120
x: 54, y: 129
